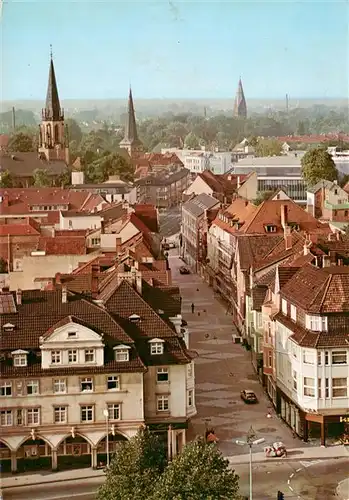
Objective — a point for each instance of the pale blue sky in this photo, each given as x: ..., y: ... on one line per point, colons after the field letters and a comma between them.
x: 172, y: 49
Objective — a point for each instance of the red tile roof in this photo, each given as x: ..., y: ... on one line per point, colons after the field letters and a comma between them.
x: 269, y: 213
x: 18, y: 201
x: 4, y: 140
x: 30, y: 228
x: 310, y: 139
x: 74, y: 245
x: 324, y: 290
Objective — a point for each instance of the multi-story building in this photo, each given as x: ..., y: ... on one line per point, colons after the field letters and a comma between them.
x: 197, y: 214
x: 163, y: 189
x: 78, y: 368
x: 196, y: 161
x: 276, y: 172
x: 325, y: 195
x: 307, y: 344
x: 222, y: 187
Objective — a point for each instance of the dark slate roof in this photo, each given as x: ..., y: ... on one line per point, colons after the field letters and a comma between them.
x: 131, y: 135
x: 199, y: 204
x: 24, y: 164
x: 163, y: 178
x: 52, y: 107
x: 240, y: 108
x: 258, y: 297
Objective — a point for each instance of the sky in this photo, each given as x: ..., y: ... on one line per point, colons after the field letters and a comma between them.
x: 175, y: 49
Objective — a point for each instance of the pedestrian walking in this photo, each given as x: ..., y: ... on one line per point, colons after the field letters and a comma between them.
x: 192, y: 308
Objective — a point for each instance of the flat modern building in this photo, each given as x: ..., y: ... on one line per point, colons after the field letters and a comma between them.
x: 276, y: 172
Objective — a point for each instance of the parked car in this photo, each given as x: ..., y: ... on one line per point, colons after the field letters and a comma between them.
x: 166, y: 246
x: 172, y: 244
x: 248, y: 396
x: 184, y: 270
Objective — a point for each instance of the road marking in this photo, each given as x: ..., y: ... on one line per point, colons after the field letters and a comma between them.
x: 290, y: 487
x: 311, y: 462
x: 288, y: 481
x: 291, y: 476
x: 70, y: 495
x: 300, y: 468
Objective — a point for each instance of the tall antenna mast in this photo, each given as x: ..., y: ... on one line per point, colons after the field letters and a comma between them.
x: 286, y: 103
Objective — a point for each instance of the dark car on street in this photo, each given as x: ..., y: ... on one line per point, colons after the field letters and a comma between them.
x: 248, y: 396
x: 184, y: 270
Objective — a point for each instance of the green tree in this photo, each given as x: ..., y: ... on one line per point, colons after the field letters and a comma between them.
x: 192, y: 141
x: 6, y: 179
x: 134, y: 469
x: 41, y: 178
x: 21, y: 142
x: 262, y: 196
x: 74, y: 130
x: 109, y: 164
x: 268, y: 147
x: 200, y: 472
x: 317, y: 164
x: 64, y: 179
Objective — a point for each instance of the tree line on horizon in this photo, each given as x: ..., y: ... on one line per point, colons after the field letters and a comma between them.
x: 100, y: 154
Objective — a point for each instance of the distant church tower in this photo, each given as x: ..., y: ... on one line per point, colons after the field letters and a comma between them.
x: 240, y: 108
x: 53, y: 141
x: 130, y: 142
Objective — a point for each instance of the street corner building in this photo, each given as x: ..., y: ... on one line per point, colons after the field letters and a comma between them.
x: 306, y: 349
x: 77, y: 368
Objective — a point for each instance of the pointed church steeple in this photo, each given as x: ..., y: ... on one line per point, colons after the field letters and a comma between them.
x: 130, y: 140
x: 240, y: 108
x: 53, y: 134
x: 52, y: 110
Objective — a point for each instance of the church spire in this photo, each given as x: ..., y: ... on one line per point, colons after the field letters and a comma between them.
x: 52, y: 109
x: 130, y: 140
x: 53, y: 142
x: 240, y: 108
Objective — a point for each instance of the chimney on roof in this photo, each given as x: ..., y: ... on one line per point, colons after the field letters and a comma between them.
x: 332, y: 256
x: 94, y: 280
x: 64, y: 295
x: 136, y: 277
x: 326, y: 262
x: 284, y: 218
x: 118, y: 243
x: 102, y: 226
x: 19, y: 297
x: 58, y: 280
x: 287, y: 238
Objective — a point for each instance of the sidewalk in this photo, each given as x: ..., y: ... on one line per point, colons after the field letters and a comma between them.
x: 313, y: 453
x: 343, y: 489
x: 46, y: 477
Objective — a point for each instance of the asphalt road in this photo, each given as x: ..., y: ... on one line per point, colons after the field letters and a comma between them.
x: 310, y: 480
x: 170, y: 222
x: 81, y: 490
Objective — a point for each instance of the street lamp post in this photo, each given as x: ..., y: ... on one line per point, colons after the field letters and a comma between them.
x: 251, y: 441
x: 106, y: 414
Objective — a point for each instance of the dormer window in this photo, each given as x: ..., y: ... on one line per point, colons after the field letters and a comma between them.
x: 8, y: 327
x: 134, y: 318
x: 122, y: 353
x: 20, y: 357
x: 156, y: 346
x: 270, y: 228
